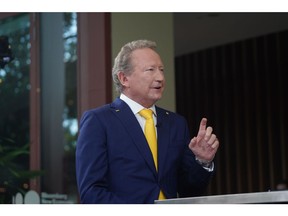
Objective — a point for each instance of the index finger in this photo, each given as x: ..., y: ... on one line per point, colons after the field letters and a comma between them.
x: 202, y: 126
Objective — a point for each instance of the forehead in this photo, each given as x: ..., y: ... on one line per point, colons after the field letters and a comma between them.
x: 146, y: 56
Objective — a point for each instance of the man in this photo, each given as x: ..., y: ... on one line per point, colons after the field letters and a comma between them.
x: 114, y: 160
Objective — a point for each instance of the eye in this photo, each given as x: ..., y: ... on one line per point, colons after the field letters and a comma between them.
x: 150, y: 69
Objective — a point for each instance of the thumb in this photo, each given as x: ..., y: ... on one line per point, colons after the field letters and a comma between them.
x: 193, y: 142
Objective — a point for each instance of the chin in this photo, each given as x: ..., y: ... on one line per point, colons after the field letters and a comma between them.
x: 157, y: 98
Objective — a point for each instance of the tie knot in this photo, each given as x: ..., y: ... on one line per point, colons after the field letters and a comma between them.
x: 146, y: 113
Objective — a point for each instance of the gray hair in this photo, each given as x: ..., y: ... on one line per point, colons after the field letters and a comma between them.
x: 123, y: 60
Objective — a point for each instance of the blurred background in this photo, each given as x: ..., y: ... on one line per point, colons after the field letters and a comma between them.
x: 229, y: 67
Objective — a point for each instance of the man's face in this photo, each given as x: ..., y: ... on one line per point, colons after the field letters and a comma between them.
x: 145, y: 84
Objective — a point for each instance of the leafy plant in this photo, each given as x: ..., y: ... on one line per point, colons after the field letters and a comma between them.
x: 14, y: 177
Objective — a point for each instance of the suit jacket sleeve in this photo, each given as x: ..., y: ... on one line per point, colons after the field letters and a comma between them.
x: 92, y: 163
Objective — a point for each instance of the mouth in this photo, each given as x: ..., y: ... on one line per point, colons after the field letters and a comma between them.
x: 157, y: 87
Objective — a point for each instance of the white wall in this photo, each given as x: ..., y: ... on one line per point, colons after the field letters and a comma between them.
x: 157, y: 27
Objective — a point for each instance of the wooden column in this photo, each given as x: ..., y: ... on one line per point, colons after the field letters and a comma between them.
x: 94, y: 61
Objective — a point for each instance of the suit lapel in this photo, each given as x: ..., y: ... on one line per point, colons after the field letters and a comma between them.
x: 128, y: 119
x: 163, y: 131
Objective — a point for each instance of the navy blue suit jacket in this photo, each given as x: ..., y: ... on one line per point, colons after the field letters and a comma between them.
x: 114, y: 163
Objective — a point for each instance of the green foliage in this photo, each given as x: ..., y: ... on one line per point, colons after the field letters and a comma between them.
x: 12, y: 173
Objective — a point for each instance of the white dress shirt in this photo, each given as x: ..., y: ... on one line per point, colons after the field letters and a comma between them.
x: 136, y: 108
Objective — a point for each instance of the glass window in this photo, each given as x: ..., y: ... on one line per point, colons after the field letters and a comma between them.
x: 14, y: 108
x: 70, y: 123
x: 59, y: 124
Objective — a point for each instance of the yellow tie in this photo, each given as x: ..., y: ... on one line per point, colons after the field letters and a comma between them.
x: 150, y: 135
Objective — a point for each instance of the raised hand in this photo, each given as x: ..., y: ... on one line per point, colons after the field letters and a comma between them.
x: 205, y: 145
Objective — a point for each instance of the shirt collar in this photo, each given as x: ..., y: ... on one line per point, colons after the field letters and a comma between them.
x: 134, y: 106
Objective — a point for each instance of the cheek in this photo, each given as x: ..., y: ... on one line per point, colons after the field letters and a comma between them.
x: 138, y: 86
x: 164, y: 83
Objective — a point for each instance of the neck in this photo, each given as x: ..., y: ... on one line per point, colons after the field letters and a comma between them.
x: 141, y: 102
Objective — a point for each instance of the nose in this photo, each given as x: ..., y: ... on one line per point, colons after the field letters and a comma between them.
x: 160, y: 75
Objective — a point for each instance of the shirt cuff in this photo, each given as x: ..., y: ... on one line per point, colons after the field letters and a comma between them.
x: 210, y: 168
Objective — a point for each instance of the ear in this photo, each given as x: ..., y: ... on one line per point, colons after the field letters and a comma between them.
x: 123, y: 79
